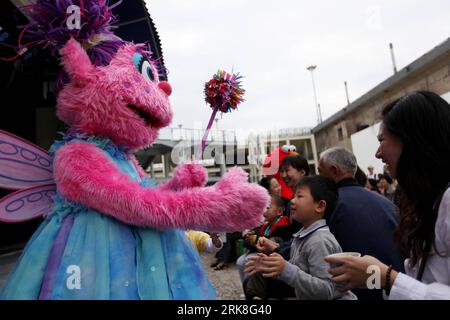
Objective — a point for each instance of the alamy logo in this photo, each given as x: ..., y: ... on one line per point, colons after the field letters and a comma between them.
x: 74, y: 279
x: 374, y: 280
x: 74, y: 17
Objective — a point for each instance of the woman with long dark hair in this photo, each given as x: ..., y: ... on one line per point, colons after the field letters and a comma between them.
x: 414, y: 144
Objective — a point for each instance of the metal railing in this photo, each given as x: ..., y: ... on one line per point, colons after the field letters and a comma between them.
x: 188, y: 134
x: 286, y: 133
x: 178, y: 134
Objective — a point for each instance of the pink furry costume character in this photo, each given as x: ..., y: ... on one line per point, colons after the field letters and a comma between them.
x: 110, y: 232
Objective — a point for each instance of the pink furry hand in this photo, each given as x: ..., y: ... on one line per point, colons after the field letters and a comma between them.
x: 187, y: 175
x: 191, y: 175
x: 248, y: 201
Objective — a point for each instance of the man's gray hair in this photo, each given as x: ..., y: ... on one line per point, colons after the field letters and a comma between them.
x: 340, y: 157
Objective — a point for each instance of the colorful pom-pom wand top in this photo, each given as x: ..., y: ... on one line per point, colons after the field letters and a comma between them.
x: 223, y: 93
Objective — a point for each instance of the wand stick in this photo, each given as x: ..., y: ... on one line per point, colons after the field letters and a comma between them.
x: 205, y: 136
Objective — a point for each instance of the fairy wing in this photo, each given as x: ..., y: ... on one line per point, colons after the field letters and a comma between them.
x: 28, y: 204
x: 23, y: 164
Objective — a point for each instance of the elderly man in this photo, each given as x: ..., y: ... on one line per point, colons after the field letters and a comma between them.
x: 363, y: 221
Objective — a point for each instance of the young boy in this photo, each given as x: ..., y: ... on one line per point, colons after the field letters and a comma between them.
x: 314, y: 200
x: 275, y: 227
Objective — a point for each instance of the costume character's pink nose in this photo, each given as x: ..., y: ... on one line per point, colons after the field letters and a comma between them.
x: 165, y: 86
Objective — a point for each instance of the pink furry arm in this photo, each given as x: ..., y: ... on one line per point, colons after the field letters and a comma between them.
x: 83, y: 174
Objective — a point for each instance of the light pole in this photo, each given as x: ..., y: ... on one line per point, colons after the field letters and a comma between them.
x: 319, y: 115
x: 346, y: 92
x: 391, y: 47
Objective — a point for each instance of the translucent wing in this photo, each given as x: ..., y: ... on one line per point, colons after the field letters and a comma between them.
x: 23, y: 164
x: 27, y: 204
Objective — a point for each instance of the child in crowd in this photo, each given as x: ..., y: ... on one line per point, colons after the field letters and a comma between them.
x: 275, y: 227
x: 306, y: 271
x: 227, y: 254
x: 271, y: 184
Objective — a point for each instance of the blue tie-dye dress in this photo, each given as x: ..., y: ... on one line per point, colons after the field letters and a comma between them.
x: 103, y: 258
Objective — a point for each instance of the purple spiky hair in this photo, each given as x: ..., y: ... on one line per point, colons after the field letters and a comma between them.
x: 48, y: 26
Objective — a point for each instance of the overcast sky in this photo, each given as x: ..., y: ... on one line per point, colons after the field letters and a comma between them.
x: 272, y: 42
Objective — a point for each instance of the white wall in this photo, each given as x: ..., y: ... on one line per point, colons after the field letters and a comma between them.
x: 365, y: 144
x: 446, y: 97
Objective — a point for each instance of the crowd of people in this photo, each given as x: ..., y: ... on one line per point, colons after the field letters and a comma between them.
x: 381, y: 183
x: 397, y: 221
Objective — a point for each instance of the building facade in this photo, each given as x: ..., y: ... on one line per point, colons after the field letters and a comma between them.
x: 430, y: 72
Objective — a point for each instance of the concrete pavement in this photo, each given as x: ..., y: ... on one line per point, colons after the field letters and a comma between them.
x: 226, y: 281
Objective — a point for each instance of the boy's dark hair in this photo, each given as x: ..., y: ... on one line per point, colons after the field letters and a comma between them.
x: 297, y: 162
x: 321, y: 188
x: 278, y: 201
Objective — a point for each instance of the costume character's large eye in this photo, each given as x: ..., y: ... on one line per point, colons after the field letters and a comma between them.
x: 285, y: 148
x: 143, y: 66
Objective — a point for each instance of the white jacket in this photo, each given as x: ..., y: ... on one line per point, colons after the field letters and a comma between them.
x: 436, y: 277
